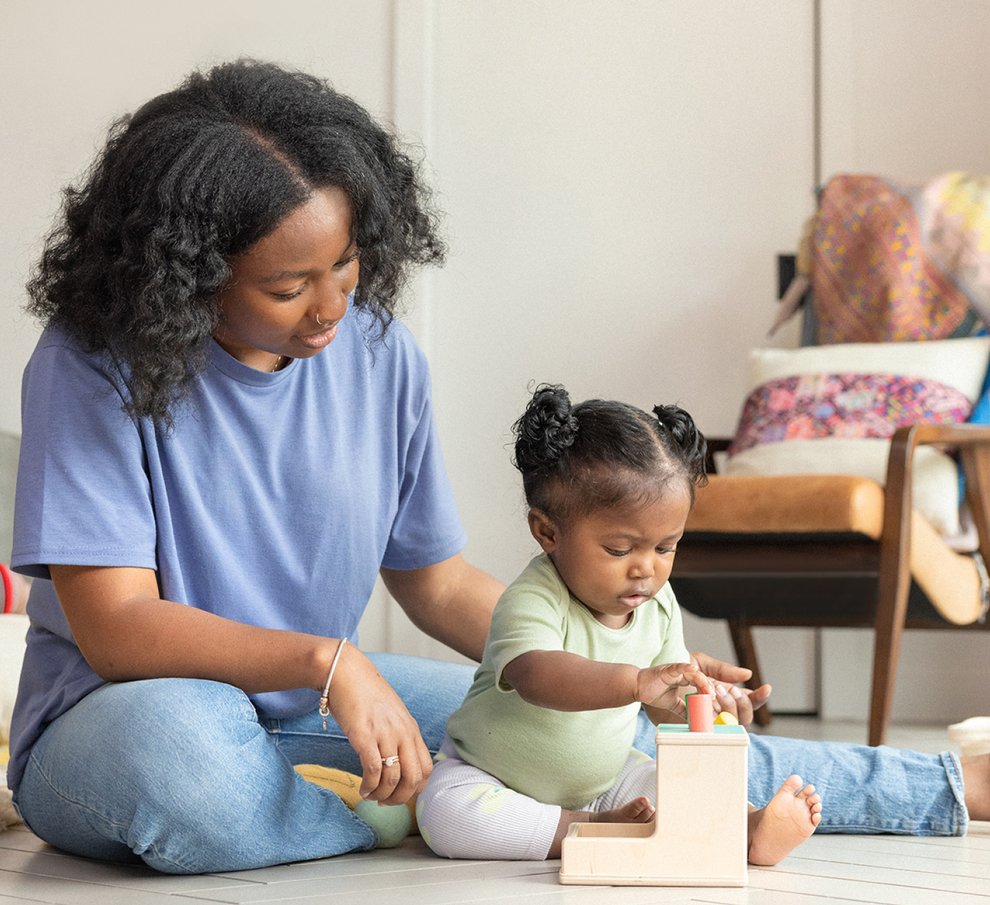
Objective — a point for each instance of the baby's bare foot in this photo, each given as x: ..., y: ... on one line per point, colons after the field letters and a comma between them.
x: 780, y: 827
x: 639, y: 810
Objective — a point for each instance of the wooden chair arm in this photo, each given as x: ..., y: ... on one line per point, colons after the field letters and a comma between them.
x: 973, y: 443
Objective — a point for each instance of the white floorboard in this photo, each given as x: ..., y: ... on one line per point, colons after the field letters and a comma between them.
x: 827, y: 870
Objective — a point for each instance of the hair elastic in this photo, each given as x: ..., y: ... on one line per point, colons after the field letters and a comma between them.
x: 324, y: 709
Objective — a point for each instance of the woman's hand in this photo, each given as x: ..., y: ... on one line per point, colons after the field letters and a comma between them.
x: 740, y: 702
x: 379, y: 727
x: 659, y: 687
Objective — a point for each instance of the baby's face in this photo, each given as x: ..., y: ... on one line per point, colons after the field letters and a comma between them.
x: 615, y: 560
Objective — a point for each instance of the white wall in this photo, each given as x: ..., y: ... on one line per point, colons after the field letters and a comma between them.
x: 905, y: 87
x: 616, y: 198
x: 618, y: 179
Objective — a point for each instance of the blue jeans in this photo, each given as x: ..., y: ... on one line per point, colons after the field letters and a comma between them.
x: 187, y: 776
x: 863, y: 789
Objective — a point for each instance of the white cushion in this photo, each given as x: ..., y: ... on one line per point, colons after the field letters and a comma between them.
x: 960, y: 363
x: 13, y: 631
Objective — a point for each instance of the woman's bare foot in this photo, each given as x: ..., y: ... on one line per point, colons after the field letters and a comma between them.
x: 789, y: 819
x: 976, y: 785
x: 639, y: 810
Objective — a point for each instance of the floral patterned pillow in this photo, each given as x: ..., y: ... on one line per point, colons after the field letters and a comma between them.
x: 832, y: 410
x: 808, y: 406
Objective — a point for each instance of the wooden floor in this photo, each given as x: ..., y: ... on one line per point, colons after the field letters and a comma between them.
x: 827, y: 870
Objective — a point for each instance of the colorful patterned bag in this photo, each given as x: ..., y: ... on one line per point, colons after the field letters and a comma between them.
x: 896, y: 264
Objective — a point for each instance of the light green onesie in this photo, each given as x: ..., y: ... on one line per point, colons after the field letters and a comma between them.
x: 557, y: 757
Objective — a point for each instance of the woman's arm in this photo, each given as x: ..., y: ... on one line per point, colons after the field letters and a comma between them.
x: 451, y: 601
x: 126, y: 631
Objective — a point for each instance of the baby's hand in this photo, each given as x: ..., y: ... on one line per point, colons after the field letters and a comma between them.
x: 658, y: 686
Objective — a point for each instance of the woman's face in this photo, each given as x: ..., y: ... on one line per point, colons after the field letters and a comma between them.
x: 288, y: 292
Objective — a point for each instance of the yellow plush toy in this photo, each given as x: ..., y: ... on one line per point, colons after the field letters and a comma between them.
x: 391, y: 823
x: 346, y: 785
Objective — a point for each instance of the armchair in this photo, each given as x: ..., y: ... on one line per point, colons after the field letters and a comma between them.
x: 837, y: 550
x: 844, y: 513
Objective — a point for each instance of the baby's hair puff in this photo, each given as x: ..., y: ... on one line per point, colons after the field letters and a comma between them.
x: 600, y: 454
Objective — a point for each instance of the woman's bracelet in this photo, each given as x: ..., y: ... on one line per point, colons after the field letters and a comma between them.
x: 324, y: 709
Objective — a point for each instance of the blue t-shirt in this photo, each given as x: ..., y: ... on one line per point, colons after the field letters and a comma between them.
x: 274, y: 501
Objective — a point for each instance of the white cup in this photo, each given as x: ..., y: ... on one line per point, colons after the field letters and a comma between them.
x: 972, y: 735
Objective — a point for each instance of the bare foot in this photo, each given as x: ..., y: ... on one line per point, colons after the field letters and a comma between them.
x: 780, y: 827
x: 639, y: 810
x: 976, y: 783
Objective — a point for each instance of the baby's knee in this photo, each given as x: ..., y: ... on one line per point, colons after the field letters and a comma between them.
x: 438, y: 810
x: 451, y: 818
x: 483, y: 821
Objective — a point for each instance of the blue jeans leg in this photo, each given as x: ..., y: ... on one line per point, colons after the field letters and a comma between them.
x: 188, y: 777
x: 863, y: 789
x: 179, y: 773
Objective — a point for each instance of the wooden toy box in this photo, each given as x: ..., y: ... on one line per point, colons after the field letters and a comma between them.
x: 699, y: 835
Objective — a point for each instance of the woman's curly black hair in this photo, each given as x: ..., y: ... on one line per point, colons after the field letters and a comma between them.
x: 600, y: 454
x: 198, y: 175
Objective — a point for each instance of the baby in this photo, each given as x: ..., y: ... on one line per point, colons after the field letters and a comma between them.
x: 588, y: 633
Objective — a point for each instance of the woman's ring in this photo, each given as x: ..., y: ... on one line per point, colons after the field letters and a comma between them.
x: 390, y: 761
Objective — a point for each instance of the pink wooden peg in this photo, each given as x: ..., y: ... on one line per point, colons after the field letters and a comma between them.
x: 701, y: 713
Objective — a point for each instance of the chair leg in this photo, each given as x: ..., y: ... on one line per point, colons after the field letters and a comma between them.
x: 893, y: 578
x: 886, y: 650
x: 742, y: 641
x: 893, y: 584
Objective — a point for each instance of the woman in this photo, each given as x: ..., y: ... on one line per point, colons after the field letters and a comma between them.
x: 222, y: 448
